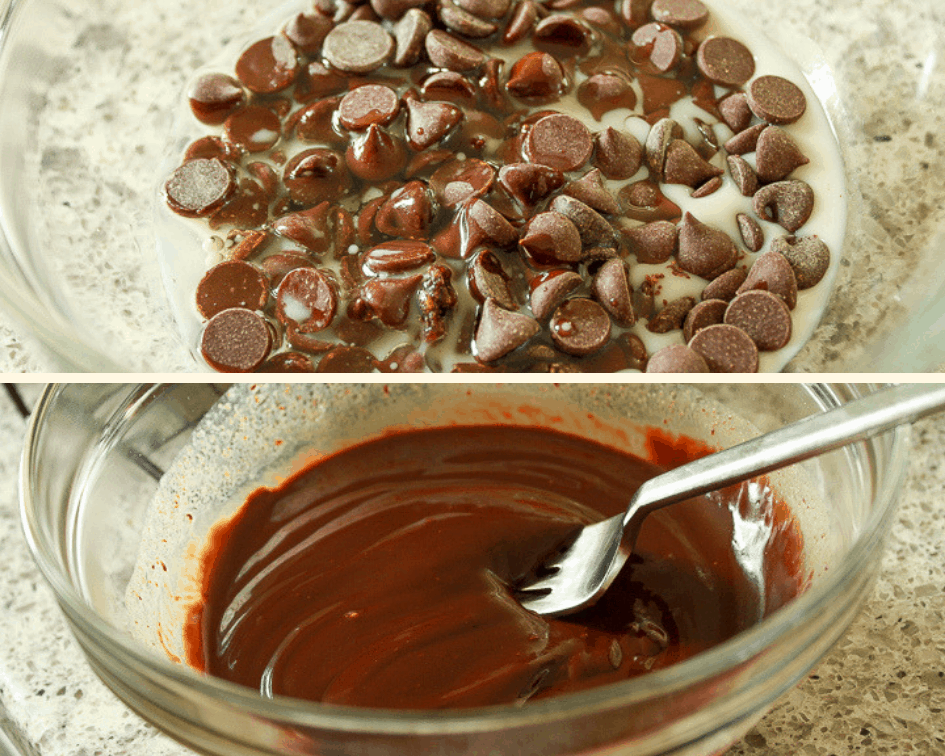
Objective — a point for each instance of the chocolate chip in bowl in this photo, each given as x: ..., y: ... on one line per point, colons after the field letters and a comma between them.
x: 441, y: 167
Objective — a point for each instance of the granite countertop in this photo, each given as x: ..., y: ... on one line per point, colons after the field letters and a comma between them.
x: 114, y: 63
x: 880, y: 691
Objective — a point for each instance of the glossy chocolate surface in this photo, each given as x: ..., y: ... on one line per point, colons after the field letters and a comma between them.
x: 382, y: 576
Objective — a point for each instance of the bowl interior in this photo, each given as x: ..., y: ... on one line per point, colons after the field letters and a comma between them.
x: 105, y: 460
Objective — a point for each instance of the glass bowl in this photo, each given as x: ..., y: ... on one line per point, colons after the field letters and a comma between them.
x: 95, y: 459
x: 89, y: 90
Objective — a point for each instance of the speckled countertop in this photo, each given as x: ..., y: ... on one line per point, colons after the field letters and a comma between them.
x: 108, y: 74
x: 880, y: 691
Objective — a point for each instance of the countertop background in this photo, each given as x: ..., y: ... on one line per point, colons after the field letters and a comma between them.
x: 880, y: 691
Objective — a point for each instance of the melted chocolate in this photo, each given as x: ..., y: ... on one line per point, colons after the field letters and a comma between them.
x: 380, y: 576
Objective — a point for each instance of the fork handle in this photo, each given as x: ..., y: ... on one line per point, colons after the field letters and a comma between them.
x: 814, y: 435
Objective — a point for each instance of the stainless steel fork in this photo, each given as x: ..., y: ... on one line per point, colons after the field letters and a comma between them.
x: 584, y: 569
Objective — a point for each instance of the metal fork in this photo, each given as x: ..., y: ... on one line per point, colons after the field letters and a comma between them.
x: 583, y: 570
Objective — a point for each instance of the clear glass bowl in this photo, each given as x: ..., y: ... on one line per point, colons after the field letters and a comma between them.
x: 89, y: 89
x: 95, y: 454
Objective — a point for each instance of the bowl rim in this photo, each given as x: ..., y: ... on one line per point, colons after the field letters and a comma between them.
x: 724, y: 657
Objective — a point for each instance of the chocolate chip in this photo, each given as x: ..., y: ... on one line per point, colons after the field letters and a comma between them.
x: 403, y: 359
x: 288, y: 362
x: 530, y: 183
x: 726, y: 286
x: 788, y: 203
x: 377, y: 155
x: 709, y: 144
x: 551, y: 289
x: 611, y: 287
x: 278, y: 266
x: 463, y: 22
x: 676, y: 358
x: 460, y: 180
x: 703, y: 250
x: 214, y: 97
x: 777, y: 155
x: 521, y: 22
x: 253, y: 128
x: 661, y: 135
x: 407, y: 213
x: 709, y: 187
x: 743, y: 175
x: 436, y: 298
x: 389, y: 298
x: 371, y: 103
x: 409, y: 35
x: 306, y: 299
x: 562, y: 35
x: 603, y: 92
x: 536, y: 75
x: 266, y: 175
x: 429, y: 122
x: 488, y: 279
x: 763, y: 316
x: 236, y: 341
x: 634, y: 12
x: 307, y: 31
x: 652, y: 243
x: 315, y: 175
x: 396, y: 256
x: 485, y: 225
x: 686, y: 14
x: 358, y: 46
x: 559, y: 141
x: 446, y: 51
x: 618, y: 154
x: 199, y: 187
x: 776, y: 100
x: 501, y: 331
x: 247, y: 208
x: 726, y: 349
x: 808, y: 257
x: 643, y: 201
x: 705, y: 313
x: 735, y: 111
x: 310, y: 228
x: 486, y: 8
x: 725, y: 61
x: 594, y: 229
x: 590, y: 190
x: 315, y: 80
x: 347, y: 359
x: 450, y: 86
x: 662, y: 44
x: 315, y: 122
x: 772, y: 272
x: 395, y: 9
x: 686, y: 166
x: 601, y: 17
x: 580, y: 327
x: 672, y: 316
x: 211, y: 147
x: 551, y: 237
x: 364, y: 12
x: 268, y: 66
x: 745, y: 141
x: 750, y: 231
x: 231, y: 284
x: 250, y: 245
